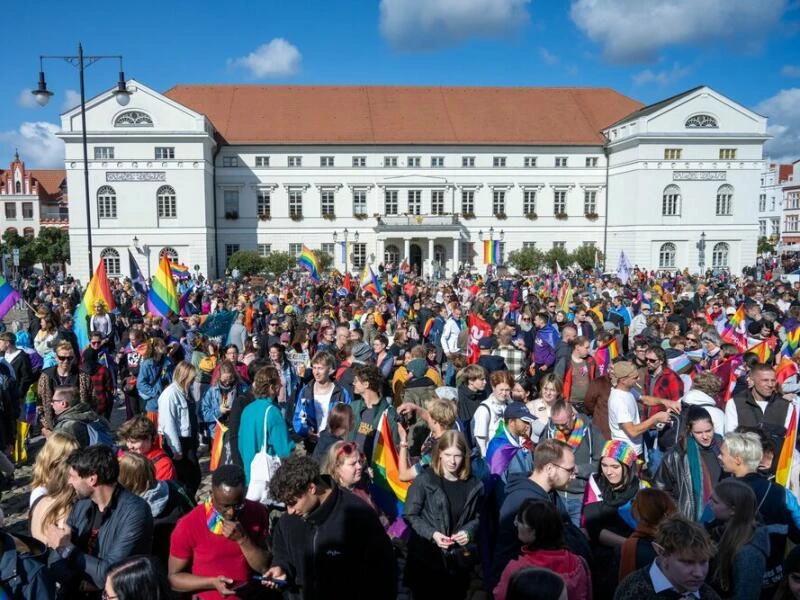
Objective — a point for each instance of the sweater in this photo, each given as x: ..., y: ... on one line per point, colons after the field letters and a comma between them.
x: 639, y: 586
x: 251, y: 432
x: 572, y: 568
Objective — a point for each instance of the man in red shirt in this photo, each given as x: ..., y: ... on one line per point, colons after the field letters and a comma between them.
x: 218, y: 547
x: 140, y: 437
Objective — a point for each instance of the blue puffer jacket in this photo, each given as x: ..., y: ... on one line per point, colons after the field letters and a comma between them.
x: 305, y: 418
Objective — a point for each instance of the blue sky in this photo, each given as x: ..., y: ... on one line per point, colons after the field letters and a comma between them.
x: 649, y: 50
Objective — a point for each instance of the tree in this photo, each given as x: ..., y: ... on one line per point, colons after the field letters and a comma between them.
x: 558, y: 255
x: 584, y: 256
x: 52, y: 247
x: 526, y: 259
x: 249, y: 262
x: 13, y: 240
x: 764, y: 245
x: 325, y: 260
x: 278, y: 262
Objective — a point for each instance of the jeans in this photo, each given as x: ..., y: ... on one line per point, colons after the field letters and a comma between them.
x: 654, y: 453
x: 574, y: 508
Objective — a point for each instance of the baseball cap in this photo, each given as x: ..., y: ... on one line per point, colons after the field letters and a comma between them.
x: 487, y: 343
x: 518, y: 410
x: 624, y: 369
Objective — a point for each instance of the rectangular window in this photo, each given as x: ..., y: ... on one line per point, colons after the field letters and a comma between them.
x: 27, y: 210
x: 589, y: 202
x: 167, y: 206
x: 328, y: 248
x: 529, y: 202
x: 437, y: 162
x: 762, y: 227
x: 559, y: 202
x: 264, y: 249
x: 466, y: 250
x: 389, y: 161
x: 793, y: 200
x: 772, y: 203
x: 467, y: 202
x: 670, y: 205
x: 591, y: 161
x: 530, y: 162
x: 499, y: 162
x: 360, y: 202
x: 326, y: 161
x: 230, y: 161
x: 263, y: 203
x: 762, y: 203
x: 672, y: 153
x: 165, y: 152
x: 414, y: 202
x: 562, y: 245
x: 295, y: 249
x: 561, y: 161
x: 776, y: 225
x: 295, y: 161
x: 727, y: 153
x: 499, y: 202
x: 107, y: 206
x: 359, y: 161
x: 467, y: 161
x: 414, y: 162
x: 262, y: 161
x: 791, y: 223
x: 231, y: 202
x: 230, y: 250
x: 528, y: 245
x: 295, y: 203
x: 724, y: 201
x: 390, y: 202
x: 501, y: 258
x: 359, y: 255
x: 589, y: 244
x: 11, y: 210
x: 103, y: 152
x: 327, y: 203
x: 437, y: 202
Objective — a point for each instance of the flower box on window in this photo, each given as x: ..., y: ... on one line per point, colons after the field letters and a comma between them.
x: 561, y: 216
x: 592, y: 216
x: 502, y: 216
x: 296, y: 217
x: 264, y: 216
x: 232, y: 214
x: 467, y: 215
x: 532, y: 216
x: 360, y: 216
x: 329, y: 216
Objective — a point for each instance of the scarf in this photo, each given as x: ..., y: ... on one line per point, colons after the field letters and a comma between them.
x: 627, y: 562
x: 700, y: 477
x: 213, y: 518
x: 576, y: 436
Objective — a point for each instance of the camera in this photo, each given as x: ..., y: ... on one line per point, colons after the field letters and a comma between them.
x: 406, y: 419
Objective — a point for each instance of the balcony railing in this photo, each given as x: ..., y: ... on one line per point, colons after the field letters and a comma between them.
x: 410, y: 220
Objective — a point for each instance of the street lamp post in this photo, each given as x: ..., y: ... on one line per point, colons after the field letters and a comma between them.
x: 345, y: 236
x: 122, y: 95
x: 144, y: 250
x: 701, y: 253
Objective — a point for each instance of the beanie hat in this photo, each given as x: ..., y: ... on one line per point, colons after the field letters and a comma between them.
x: 620, y: 451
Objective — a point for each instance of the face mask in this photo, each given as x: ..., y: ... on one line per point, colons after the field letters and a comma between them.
x: 527, y: 326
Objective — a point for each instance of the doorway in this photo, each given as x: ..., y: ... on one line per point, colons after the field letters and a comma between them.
x: 415, y: 257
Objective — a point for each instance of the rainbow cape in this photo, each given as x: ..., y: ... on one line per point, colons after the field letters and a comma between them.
x: 163, y: 297
x: 491, y: 252
x: 8, y: 297
x: 500, y: 451
x: 784, y: 467
x: 389, y: 492
x: 97, y: 291
x: 605, y: 355
x: 308, y: 260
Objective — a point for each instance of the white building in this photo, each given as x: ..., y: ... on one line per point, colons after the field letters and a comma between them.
x: 418, y: 172
x: 790, y: 190
x: 770, y: 200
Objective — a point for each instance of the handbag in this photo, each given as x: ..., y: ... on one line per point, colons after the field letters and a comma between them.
x: 262, y: 469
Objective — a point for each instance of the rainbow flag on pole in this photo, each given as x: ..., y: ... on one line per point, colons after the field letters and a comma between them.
x: 179, y: 271
x: 390, y: 492
x: 605, y: 355
x: 491, y: 252
x: 98, y: 290
x: 163, y: 297
x: 792, y: 342
x: 8, y: 297
x: 309, y: 261
x: 370, y: 283
x: 784, y: 467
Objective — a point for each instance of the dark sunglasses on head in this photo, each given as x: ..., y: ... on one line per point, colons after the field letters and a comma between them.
x: 347, y: 449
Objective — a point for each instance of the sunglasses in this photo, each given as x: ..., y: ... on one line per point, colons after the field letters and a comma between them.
x: 347, y: 449
x: 273, y: 324
x: 652, y: 360
x: 64, y: 357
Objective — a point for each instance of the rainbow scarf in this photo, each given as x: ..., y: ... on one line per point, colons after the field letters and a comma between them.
x: 213, y: 518
x: 701, y: 478
x: 576, y: 437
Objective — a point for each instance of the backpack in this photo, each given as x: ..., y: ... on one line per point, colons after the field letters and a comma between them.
x: 99, y: 434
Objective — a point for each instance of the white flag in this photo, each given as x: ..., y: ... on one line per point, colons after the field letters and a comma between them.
x: 624, y: 268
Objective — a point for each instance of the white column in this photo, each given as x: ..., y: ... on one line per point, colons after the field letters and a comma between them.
x: 430, y: 257
x: 407, y: 250
x: 380, y: 252
x: 456, y: 251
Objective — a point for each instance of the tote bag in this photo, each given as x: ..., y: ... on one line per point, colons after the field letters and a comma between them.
x: 262, y: 470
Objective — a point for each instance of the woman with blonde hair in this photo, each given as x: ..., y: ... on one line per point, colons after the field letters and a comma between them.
x: 551, y: 388
x: 52, y: 496
x: 177, y: 423
x: 65, y: 372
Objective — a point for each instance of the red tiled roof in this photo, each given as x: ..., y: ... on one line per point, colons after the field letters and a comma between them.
x: 406, y: 115
x: 49, y: 179
x: 784, y: 173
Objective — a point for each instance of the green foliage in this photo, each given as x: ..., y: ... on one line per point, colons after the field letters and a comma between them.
x: 325, y: 260
x: 52, y: 246
x: 764, y: 245
x: 584, y: 256
x: 526, y: 259
x: 557, y: 255
x: 278, y: 262
x: 249, y: 262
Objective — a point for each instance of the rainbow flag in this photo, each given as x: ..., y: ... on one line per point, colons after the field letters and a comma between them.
x: 163, y: 297
x: 565, y: 297
x: 785, y: 369
x: 370, y: 283
x: 8, y: 297
x: 391, y: 491
x: 738, y: 317
x: 309, y: 261
x: 792, y: 342
x: 98, y: 290
x: 605, y: 355
x: 762, y: 350
x: 491, y: 252
x: 784, y: 467
x: 179, y: 271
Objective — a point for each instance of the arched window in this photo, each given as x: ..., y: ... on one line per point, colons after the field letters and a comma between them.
x: 28, y: 232
x: 106, y: 202
x: 719, y: 256
x: 724, y: 200
x: 17, y: 187
x: 671, y: 201
x: 171, y: 253
x: 391, y: 254
x: 666, y: 256
x: 167, y: 203
x: 701, y: 121
x: 110, y: 258
x: 133, y: 118
x: 11, y: 230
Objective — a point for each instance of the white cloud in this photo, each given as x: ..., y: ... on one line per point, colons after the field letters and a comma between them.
x: 71, y: 100
x: 783, y: 111
x: 26, y: 99
x: 663, y: 78
x: 277, y: 58
x: 632, y: 31
x: 548, y: 57
x: 418, y: 25
x: 37, y: 144
x: 791, y: 71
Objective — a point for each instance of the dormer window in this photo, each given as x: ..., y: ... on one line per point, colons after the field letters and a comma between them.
x: 701, y: 122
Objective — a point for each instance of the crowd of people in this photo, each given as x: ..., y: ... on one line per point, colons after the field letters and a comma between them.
x: 559, y: 436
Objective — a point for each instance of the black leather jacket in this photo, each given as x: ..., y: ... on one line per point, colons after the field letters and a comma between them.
x: 674, y: 478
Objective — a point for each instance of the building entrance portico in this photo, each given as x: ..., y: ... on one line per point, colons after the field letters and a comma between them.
x: 433, y: 256
x: 415, y: 257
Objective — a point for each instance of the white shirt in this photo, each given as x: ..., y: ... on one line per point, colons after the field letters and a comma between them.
x: 661, y: 583
x: 450, y: 334
x: 484, y: 422
x: 622, y: 409
x: 322, y: 405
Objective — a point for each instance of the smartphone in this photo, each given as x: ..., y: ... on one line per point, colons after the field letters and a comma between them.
x: 278, y: 582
